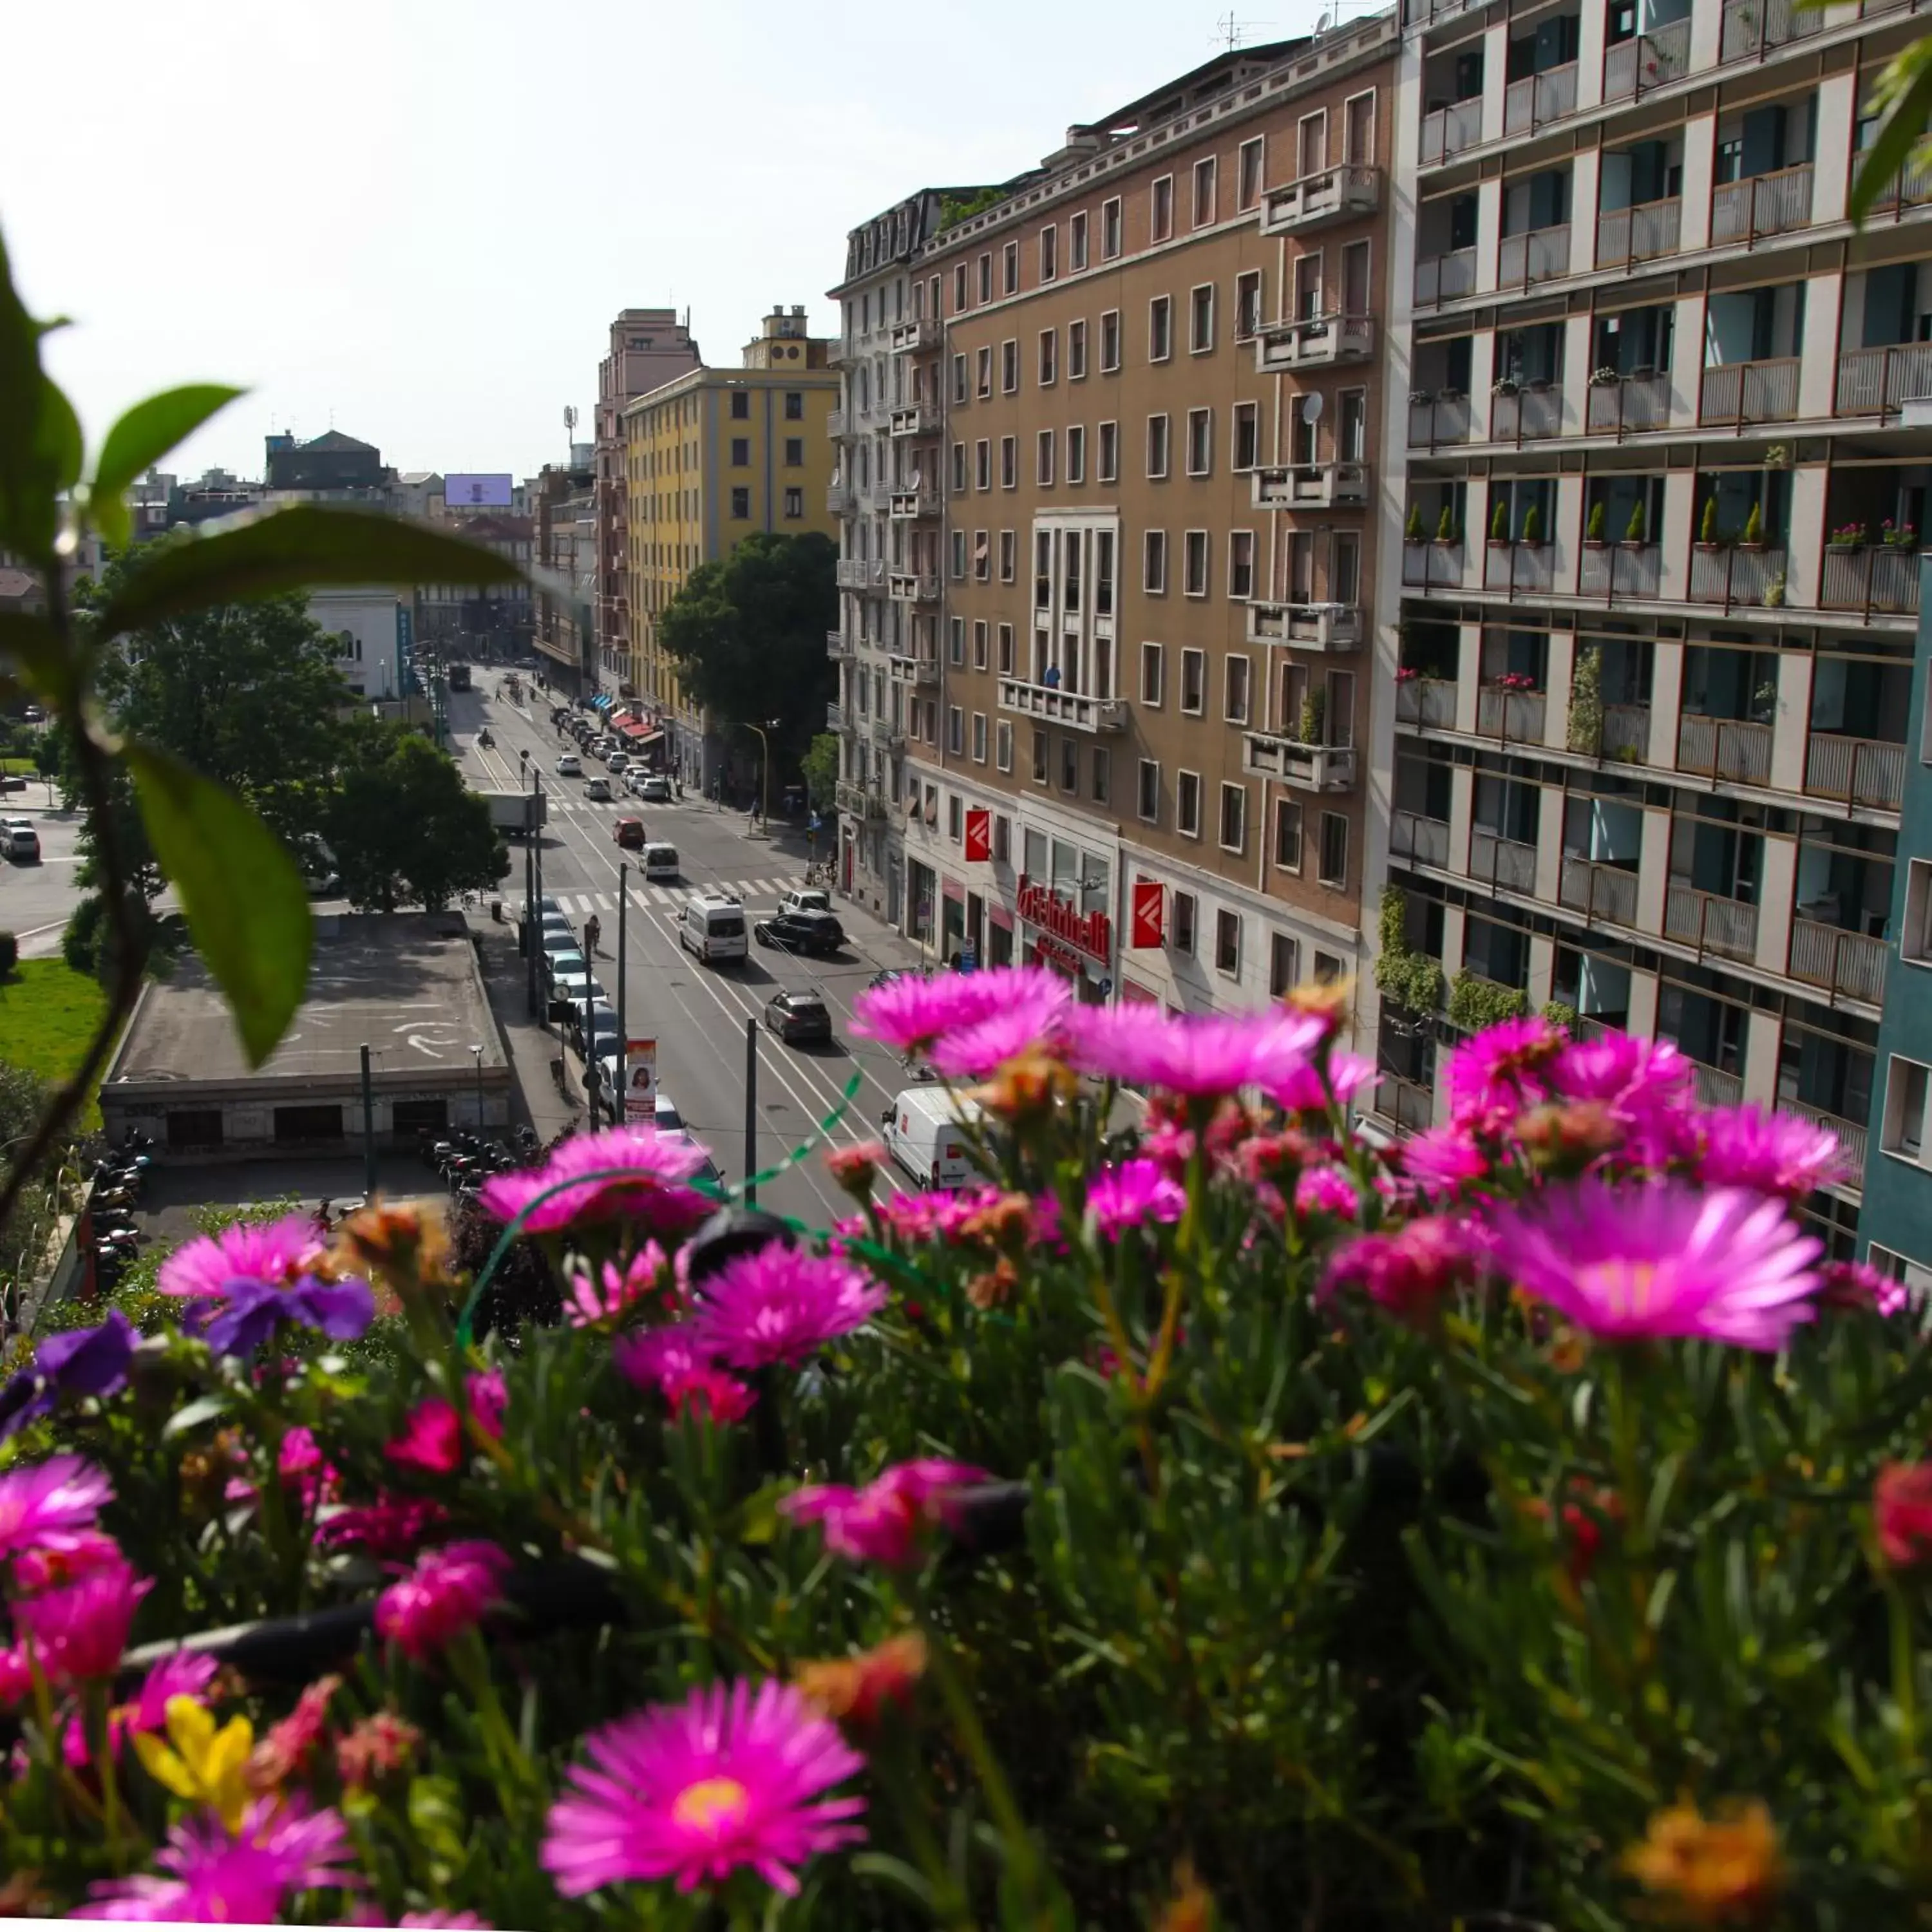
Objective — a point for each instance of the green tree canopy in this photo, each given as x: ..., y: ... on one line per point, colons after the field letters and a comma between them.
x: 820, y: 767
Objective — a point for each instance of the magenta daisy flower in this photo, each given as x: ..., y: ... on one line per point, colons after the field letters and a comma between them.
x: 390, y: 1526
x: 432, y: 1437
x: 650, y: 1167
x: 1661, y: 1259
x: 887, y: 1521
x: 1859, y: 1285
x: 273, y: 1253
x: 1492, y: 1077
x: 1441, y: 1158
x: 1312, y: 1089
x: 1031, y: 1018
x: 1772, y: 1153
x: 1328, y: 1190
x: 261, y: 1276
x: 186, y: 1673
x: 588, y: 1302
x: 444, y: 1594
x: 50, y: 1505
x: 732, y: 1777
x: 1204, y: 1056
x: 909, y: 1014
x: 669, y: 1361
x: 208, y: 1875
x: 1132, y: 1194
x: 1407, y: 1272
x: 79, y: 1631
x: 780, y: 1305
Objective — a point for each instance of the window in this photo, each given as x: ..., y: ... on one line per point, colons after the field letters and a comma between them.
x: 1076, y: 454
x: 1009, y: 269
x: 958, y: 554
x: 1039, y: 756
x: 1110, y: 230
x: 1311, y: 144
x: 1153, y: 672
x: 1160, y: 328
x: 1234, y: 694
x: 1241, y: 565
x: 983, y: 370
x: 1154, y: 562
x: 1201, y: 323
x: 1146, y: 791
x: 1076, y: 351
x: 1205, y: 173
x: 1227, y: 941
x: 1110, y: 341
x: 1327, y: 968
x: 959, y: 389
x: 1009, y: 462
x: 741, y: 452
x: 1003, y: 825
x: 1200, y: 442
x: 1049, y: 357
x: 1009, y: 367
x: 1905, y: 1094
x: 1287, y: 835
x: 1100, y: 767
x: 979, y: 734
x: 1043, y: 458
x: 1160, y: 210
x: 983, y: 454
x: 1194, y: 564
x: 955, y: 813
x: 979, y: 644
x: 1247, y: 436
x: 1002, y: 745
x: 1194, y: 681
x: 1187, y: 804
x: 985, y: 278
x: 741, y: 406
x: 959, y: 288
x: 955, y: 645
x: 794, y: 405
x: 959, y: 468
x: 741, y: 503
x: 1156, y: 445
x: 794, y: 452
x: 1235, y: 817
x: 1250, y: 172
x: 1184, y: 911
x: 956, y: 736
x: 1333, y: 868
x: 983, y: 560
x: 1005, y: 650
x: 1069, y: 765
x: 1247, y: 304
x: 1107, y: 469
x: 1076, y: 241
x: 794, y: 503
x: 1358, y: 115
x: 1915, y: 943
x: 1049, y: 253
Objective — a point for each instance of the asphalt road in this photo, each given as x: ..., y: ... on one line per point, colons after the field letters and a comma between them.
x: 697, y: 1013
x: 35, y: 900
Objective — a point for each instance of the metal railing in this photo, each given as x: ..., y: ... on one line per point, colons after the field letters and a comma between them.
x: 1912, y: 188
x: 1537, y: 98
x: 1448, y: 130
x: 1878, y: 578
x: 1640, y: 232
x: 1424, y: 840
x: 1767, y: 204
x: 1516, y: 717
x: 1647, y: 61
x: 1442, y: 278
x: 1732, y: 575
x: 1412, y: 1108
x: 1755, y: 26
x: 1631, y: 402
x: 1430, y: 702
x: 1531, y: 413
x: 1749, y: 392
x: 1627, y: 732
x: 1850, y: 963
x: 1429, y: 565
x: 1715, y: 1087
x: 1711, y: 923
x: 1724, y: 748
x: 1875, y: 382
x: 1537, y: 255
x: 1859, y: 771
x: 1516, y: 568
x: 834, y: 715
x: 1441, y: 419
x: 1506, y: 863
x: 859, y: 573
x: 1853, y: 1142
x: 1598, y: 890
x: 1613, y: 570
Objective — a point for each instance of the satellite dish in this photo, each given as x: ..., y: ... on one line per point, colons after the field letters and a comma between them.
x: 1321, y: 25
x: 1311, y: 409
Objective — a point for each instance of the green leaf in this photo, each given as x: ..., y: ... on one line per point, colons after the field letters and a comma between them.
x: 245, y: 901
x: 32, y: 646
x: 265, y: 554
x: 203, y: 1408
x: 1908, y: 82
x: 40, y: 436
x: 142, y: 436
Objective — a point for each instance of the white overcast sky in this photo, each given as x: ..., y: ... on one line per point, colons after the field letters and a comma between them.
x: 417, y: 217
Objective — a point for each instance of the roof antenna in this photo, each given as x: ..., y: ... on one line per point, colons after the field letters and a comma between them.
x: 1228, y: 30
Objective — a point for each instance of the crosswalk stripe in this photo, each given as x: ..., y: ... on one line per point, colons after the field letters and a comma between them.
x: 604, y: 903
x: 658, y: 893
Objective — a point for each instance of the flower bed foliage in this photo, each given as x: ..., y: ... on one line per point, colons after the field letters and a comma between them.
x: 1510, y: 1526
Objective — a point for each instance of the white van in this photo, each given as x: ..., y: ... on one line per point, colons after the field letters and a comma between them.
x: 713, y: 928
x: 659, y: 861
x: 922, y: 1134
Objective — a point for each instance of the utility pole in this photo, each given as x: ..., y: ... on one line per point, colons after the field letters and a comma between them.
x: 751, y: 1112
x: 368, y: 1129
x: 589, y: 1061
x: 536, y: 911
x: 622, y: 1110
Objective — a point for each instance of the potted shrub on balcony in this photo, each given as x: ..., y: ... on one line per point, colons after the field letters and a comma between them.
x: 1532, y: 527
x: 1707, y: 530
x: 1635, y: 530
x: 1505, y: 386
x: 1446, y: 532
x: 1848, y: 536
x: 1499, y: 535
x: 1593, y: 532
x: 1899, y: 536
x: 1754, y: 536
x: 1308, y: 726
x: 1605, y: 378
x: 1413, y: 533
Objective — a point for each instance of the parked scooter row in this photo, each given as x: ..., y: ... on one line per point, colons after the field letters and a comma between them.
x: 114, y: 1195
x: 466, y: 1159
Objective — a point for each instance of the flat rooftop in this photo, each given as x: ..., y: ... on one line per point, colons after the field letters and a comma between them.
x: 406, y: 985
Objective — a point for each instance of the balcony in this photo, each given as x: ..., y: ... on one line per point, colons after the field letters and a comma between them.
x: 1506, y: 865
x: 1712, y: 924
x: 1598, y: 891
x: 1311, y: 486
x: 1724, y: 748
x: 1732, y: 577
x: 1852, y: 1142
x: 1309, y: 627
x: 1627, y: 733
x: 1340, y: 193
x: 1516, y: 717
x: 907, y: 337
x: 919, y: 668
x: 1715, y: 1087
x: 860, y: 573
x: 1428, y: 702
x: 1448, y: 130
x: 840, y: 499
x: 835, y: 716
x: 1432, y: 566
x: 1264, y: 754
x: 913, y: 506
x: 1527, y: 414
x: 837, y: 424
x: 1537, y: 255
x: 1442, y: 278
x: 889, y: 736
x: 1438, y: 419
x: 1855, y: 771
x: 912, y: 586
x: 861, y: 802
x: 1751, y: 27
x: 1879, y: 381
x: 1516, y: 568
x: 839, y: 647
x: 1537, y: 99
x: 1423, y: 840
x: 1749, y: 392
x: 1877, y: 580
x: 1647, y: 61
x: 1408, y: 1104
x: 914, y: 419
x: 1610, y: 571
x: 1053, y: 706
x: 1759, y: 204
x: 1852, y: 964
x: 1313, y: 342
x: 1638, y: 233
x: 1633, y: 402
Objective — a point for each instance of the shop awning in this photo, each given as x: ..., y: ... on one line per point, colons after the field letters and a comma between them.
x: 602, y: 700
x: 650, y: 738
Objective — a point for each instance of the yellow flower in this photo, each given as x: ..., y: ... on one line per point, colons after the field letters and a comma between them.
x: 205, y: 1765
x: 1723, y: 1871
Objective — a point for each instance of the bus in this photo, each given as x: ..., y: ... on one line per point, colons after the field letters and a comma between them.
x: 459, y: 677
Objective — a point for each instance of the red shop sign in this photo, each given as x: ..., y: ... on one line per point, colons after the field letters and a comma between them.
x: 1092, y: 932
x: 979, y: 835
x: 1049, y: 952
x: 1149, y: 914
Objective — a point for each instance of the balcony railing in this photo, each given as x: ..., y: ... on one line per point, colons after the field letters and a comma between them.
x: 860, y: 802
x: 1349, y: 189
x: 1310, y: 627
x: 1734, y: 576
x: 912, y: 587
x: 1629, y: 403
x: 908, y: 337
x: 1539, y: 255
x: 1313, y: 342
x: 1442, y: 278
x: 837, y: 423
x: 840, y: 499
x: 1427, y: 566
x: 909, y: 505
x: 1516, y: 717
x: 1430, y: 702
x: 914, y: 667
x: 839, y: 646
x: 1449, y: 130
x: 1311, y: 486
x: 1879, y: 580
x: 1598, y: 891
x: 1850, y: 963
x: 1425, y: 841
x: 1749, y: 392
x: 1647, y: 61
x: 1639, y: 233
x: 1409, y: 1104
x: 1266, y: 754
x: 915, y: 419
x: 1715, y: 1087
x: 1753, y: 27
x: 1766, y: 204
x: 1613, y: 570
x: 1505, y: 863
x: 1441, y: 419
x: 1711, y: 923
x: 861, y: 573
x: 834, y: 715
x: 1859, y: 771
x: 1533, y: 412
x: 1063, y: 707
x: 1517, y: 568
x: 1724, y: 748
x: 1627, y: 733
x: 1911, y: 188
x: 1876, y: 381
x: 1852, y: 1138
x: 1538, y: 98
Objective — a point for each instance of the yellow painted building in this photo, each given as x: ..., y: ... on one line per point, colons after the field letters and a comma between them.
x: 710, y: 458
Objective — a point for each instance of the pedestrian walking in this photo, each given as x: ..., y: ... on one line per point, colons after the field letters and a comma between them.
x: 593, y: 931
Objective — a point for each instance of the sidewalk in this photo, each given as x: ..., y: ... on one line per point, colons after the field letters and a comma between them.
x: 530, y: 1046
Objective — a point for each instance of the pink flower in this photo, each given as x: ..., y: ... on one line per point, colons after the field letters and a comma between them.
x: 212, y: 1875
x: 1492, y: 1077
x: 1441, y: 1158
x: 731, y: 1778
x: 587, y: 1302
x: 391, y: 1526
x: 290, y: 1745
x: 51, y: 1505
x: 909, y: 1013
x: 47, y: 1569
x: 17, y: 1675
x: 444, y: 1594
x: 1312, y: 1089
x: 1902, y: 1513
x: 885, y: 1521
x: 669, y: 1360
x: 269, y: 1254
x: 184, y: 1673
x: 1328, y: 1190
x: 1204, y: 1056
x: 1659, y: 1259
x: 1032, y: 1018
x: 432, y: 1437
x: 1772, y: 1153
x: 853, y: 1167
x: 79, y: 1631
x: 780, y: 1304
x: 1408, y: 1273
x: 650, y: 1165
x: 1632, y: 1077
x: 1130, y: 1195
x: 1859, y: 1285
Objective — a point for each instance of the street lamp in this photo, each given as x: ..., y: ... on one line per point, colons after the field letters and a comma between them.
x: 765, y: 746
x: 477, y: 1049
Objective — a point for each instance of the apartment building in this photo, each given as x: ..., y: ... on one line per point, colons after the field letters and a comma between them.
x: 711, y: 457
x: 1664, y: 471
x: 1130, y: 664
x: 564, y: 517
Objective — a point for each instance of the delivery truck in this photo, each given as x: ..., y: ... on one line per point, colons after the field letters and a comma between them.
x: 516, y: 813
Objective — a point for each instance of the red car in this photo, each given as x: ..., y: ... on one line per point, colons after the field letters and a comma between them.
x: 630, y: 831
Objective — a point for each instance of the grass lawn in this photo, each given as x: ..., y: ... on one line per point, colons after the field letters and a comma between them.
x: 14, y: 767
x: 48, y: 1013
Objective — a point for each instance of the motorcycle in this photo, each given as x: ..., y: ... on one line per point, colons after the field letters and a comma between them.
x: 483, y: 738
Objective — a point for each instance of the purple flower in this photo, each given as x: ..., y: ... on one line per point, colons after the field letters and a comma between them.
x: 1130, y: 1195
x: 1646, y: 1085
x: 1661, y: 1259
x: 272, y: 1253
x: 1442, y: 1158
x: 909, y: 1014
x: 1311, y: 1089
x: 779, y: 1305
x: 261, y: 1274
x: 1032, y: 1015
x: 1859, y: 1285
x: 1205, y: 1056
x: 650, y: 1165
x: 340, y: 1309
x: 1492, y: 1077
x: 1328, y: 1190
x: 51, y: 1505
x: 81, y: 1362
x: 1773, y: 1154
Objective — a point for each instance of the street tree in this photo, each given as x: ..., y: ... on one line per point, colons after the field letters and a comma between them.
x: 748, y: 635
x: 819, y: 766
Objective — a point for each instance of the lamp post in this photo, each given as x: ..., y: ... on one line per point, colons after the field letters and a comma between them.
x: 476, y: 1048
x: 765, y: 747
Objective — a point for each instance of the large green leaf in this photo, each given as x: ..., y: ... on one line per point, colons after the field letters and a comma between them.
x: 245, y: 902
x: 40, y: 436
x: 263, y: 554
x: 1905, y: 91
x: 142, y: 436
x: 31, y: 649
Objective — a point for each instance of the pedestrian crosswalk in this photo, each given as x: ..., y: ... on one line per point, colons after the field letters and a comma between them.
x: 750, y: 890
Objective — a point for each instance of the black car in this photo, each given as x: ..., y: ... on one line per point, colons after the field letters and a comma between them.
x: 816, y: 933
x: 794, y: 1017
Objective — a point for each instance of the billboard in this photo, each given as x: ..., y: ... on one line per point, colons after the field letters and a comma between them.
x: 473, y: 491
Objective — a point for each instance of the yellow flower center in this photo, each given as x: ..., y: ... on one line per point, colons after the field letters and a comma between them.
x: 712, y: 1804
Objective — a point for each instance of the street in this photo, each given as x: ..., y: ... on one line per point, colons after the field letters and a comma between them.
x: 35, y: 900
x: 697, y: 1013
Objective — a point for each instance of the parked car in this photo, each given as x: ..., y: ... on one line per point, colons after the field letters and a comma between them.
x: 635, y: 779
x: 629, y: 832
x: 797, y: 1017
x: 806, y: 899
x: 617, y: 761
x: 569, y: 765
x: 655, y: 790
x: 23, y: 842
x: 598, y: 791
x: 815, y: 933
